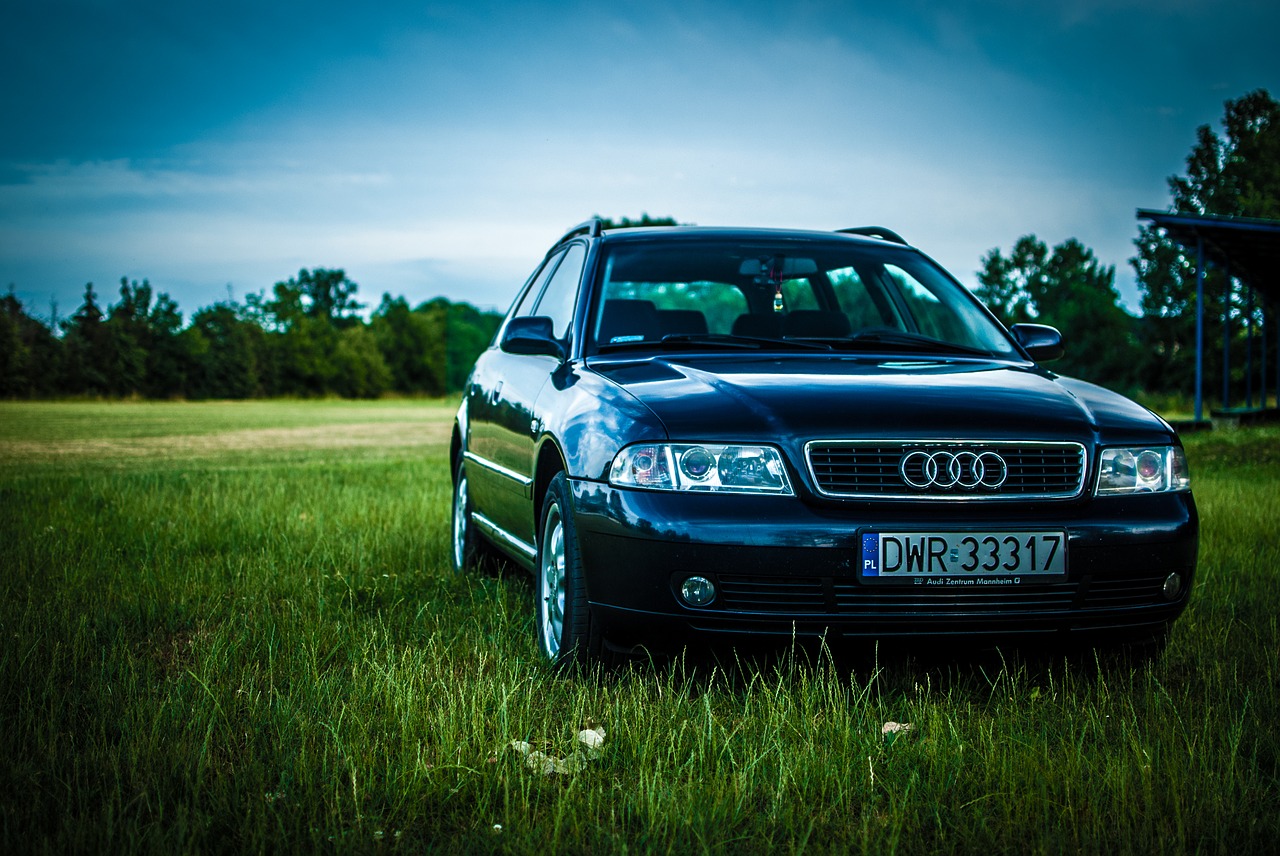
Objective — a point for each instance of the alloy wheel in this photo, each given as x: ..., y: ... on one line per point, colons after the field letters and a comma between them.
x: 551, y: 582
x: 460, y: 523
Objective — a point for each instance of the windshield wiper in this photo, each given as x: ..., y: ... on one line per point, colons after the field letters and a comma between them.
x: 716, y: 340
x: 729, y: 340
x: 902, y: 339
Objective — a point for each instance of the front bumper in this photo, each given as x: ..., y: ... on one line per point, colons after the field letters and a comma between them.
x: 789, y: 567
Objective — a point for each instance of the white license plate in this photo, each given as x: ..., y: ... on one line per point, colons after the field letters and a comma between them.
x: 963, y: 558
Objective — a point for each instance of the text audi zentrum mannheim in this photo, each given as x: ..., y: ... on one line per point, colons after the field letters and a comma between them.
x: 692, y: 431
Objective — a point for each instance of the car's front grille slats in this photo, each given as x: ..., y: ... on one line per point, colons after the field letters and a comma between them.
x: 774, y: 594
x: 1125, y: 591
x: 946, y: 470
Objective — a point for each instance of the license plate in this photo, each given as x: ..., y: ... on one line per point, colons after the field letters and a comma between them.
x: 963, y: 558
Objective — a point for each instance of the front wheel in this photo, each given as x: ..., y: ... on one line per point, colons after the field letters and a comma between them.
x: 566, y: 635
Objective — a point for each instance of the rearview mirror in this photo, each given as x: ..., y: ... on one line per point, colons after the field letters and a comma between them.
x: 783, y: 267
x: 532, y: 334
x: 1041, y: 342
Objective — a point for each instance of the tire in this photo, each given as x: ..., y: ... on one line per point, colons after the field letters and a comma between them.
x: 466, y: 551
x: 567, y: 636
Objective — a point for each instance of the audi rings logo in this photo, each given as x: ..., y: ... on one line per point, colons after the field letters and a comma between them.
x: 951, y: 470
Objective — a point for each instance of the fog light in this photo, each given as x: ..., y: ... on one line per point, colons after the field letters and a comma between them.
x: 698, y: 591
x: 1172, y: 586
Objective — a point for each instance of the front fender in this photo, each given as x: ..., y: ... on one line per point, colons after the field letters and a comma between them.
x: 590, y: 419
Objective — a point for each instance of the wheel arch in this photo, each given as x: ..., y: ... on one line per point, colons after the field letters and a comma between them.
x: 455, y: 452
x: 456, y: 438
x: 549, y: 462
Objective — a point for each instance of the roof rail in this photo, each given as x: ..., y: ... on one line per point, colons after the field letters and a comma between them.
x: 591, y: 228
x: 875, y: 232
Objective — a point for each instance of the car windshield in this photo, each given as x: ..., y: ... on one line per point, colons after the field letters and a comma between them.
x: 842, y: 295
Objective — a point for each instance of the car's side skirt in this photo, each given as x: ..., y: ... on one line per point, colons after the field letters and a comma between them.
x: 519, y: 549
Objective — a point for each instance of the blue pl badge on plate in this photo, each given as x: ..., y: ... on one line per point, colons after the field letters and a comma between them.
x: 870, y: 554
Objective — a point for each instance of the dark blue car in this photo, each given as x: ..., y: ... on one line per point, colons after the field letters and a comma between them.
x: 688, y: 432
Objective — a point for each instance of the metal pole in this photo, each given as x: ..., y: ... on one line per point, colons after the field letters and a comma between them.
x: 1262, y: 354
x: 1199, y: 328
x: 1248, y: 349
x: 1226, y: 340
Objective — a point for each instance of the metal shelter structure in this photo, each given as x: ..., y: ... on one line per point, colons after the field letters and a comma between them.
x: 1247, y: 249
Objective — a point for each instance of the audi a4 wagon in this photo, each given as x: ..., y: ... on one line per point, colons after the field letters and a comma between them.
x: 689, y: 433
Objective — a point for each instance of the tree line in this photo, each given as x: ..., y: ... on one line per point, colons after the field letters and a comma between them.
x: 1233, y: 174
x: 306, y: 338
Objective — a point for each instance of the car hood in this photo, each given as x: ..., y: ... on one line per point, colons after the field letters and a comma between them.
x: 804, y: 397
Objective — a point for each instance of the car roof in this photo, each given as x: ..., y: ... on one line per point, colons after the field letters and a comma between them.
x: 877, y: 235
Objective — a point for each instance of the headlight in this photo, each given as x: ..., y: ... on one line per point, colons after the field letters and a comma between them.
x: 705, y: 467
x: 1143, y: 470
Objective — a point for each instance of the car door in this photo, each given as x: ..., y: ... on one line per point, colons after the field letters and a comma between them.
x: 487, y: 482
x: 504, y: 432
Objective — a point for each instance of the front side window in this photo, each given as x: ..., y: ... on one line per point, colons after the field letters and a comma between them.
x: 529, y: 297
x: 561, y: 294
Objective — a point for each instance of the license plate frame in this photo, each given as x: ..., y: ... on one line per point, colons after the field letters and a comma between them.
x: 897, y: 557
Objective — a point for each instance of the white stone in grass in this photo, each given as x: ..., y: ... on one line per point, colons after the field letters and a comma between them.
x: 546, y: 765
x: 592, y: 739
x: 890, y: 730
x: 541, y: 763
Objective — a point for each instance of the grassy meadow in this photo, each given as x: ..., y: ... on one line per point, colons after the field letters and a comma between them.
x: 232, y: 627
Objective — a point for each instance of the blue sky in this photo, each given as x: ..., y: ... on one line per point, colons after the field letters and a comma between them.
x: 439, y: 148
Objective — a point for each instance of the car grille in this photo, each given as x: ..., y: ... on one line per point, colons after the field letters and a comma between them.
x: 880, y: 470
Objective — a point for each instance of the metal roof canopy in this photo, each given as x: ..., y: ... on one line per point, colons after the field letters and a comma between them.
x: 1248, y: 248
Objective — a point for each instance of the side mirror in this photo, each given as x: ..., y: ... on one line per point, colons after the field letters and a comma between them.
x: 1041, y: 342
x: 531, y: 334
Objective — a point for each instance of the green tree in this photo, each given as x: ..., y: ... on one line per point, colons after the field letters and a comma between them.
x: 326, y: 295
x: 1003, y: 282
x: 30, y: 355
x: 412, y: 344
x: 167, y: 364
x: 468, y: 331
x: 360, y: 370
x: 126, y: 337
x: 1070, y: 289
x: 644, y: 221
x: 146, y: 356
x: 303, y: 318
x: 85, y: 348
x: 1236, y: 174
x: 15, y: 356
x: 224, y: 349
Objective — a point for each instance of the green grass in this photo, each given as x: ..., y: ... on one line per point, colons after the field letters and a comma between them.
x: 257, y: 645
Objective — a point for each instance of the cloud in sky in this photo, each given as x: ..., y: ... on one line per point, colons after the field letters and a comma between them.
x: 439, y: 149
